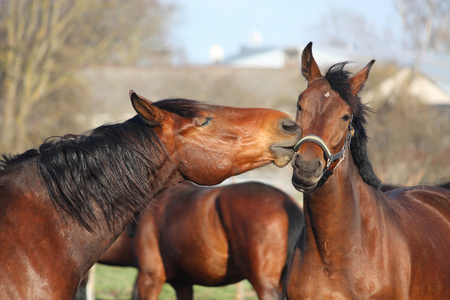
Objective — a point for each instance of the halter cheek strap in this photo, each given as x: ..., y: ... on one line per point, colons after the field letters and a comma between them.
x: 329, y: 156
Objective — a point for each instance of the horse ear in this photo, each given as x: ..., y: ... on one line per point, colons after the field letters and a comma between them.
x: 146, y: 110
x: 310, y: 70
x: 357, y: 81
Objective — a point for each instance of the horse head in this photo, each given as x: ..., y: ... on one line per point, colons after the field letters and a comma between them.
x: 327, y: 112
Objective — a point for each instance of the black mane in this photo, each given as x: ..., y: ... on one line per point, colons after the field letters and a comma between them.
x: 112, y: 169
x: 338, y: 79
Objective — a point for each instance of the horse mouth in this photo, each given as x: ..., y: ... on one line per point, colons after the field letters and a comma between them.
x: 283, y: 150
x: 304, y: 188
x: 282, y: 154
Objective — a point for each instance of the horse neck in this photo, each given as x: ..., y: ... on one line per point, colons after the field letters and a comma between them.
x: 337, y: 214
x: 167, y: 176
x: 102, y: 238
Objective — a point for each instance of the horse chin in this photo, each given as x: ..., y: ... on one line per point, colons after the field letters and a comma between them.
x: 282, y: 155
x: 208, y: 182
x: 303, y: 187
x: 204, y: 180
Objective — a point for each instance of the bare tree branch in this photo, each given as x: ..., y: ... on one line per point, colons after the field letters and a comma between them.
x: 42, y: 42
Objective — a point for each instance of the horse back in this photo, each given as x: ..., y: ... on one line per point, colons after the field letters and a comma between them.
x: 423, y: 214
x: 423, y: 200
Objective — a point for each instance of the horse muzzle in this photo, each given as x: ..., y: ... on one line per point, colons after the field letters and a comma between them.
x: 306, y: 174
x: 284, y: 150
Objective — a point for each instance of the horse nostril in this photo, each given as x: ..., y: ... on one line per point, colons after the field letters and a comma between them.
x: 319, y: 167
x: 296, y: 161
x: 289, y: 126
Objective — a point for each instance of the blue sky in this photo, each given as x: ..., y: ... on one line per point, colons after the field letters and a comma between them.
x: 230, y: 23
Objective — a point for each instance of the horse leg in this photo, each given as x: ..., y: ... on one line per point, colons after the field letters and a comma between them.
x: 84, y: 291
x: 135, y: 295
x: 265, y: 277
x: 152, y: 275
x: 267, y: 290
x: 264, y: 274
x: 183, y: 291
x: 150, y: 283
x: 266, y: 261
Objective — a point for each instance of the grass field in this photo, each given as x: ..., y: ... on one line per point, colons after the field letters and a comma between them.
x: 117, y: 283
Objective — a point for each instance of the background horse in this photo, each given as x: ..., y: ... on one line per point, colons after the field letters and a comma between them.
x: 358, y: 242
x: 213, y: 237
x: 64, y: 204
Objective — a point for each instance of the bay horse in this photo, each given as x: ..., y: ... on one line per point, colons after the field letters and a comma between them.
x: 358, y: 242
x: 212, y: 236
x: 63, y: 204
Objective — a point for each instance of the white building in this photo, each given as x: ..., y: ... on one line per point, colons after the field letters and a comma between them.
x: 429, y: 82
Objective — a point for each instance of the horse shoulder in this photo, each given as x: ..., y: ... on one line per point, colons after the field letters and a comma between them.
x: 29, y: 239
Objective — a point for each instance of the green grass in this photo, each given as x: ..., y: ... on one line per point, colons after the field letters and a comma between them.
x: 117, y: 283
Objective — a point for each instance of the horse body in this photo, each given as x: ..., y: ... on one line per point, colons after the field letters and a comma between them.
x: 64, y: 204
x: 358, y: 242
x: 214, y: 237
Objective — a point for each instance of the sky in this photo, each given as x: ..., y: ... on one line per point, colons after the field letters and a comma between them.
x: 200, y: 24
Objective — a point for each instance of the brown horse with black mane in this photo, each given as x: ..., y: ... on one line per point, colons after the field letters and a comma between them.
x: 358, y: 242
x: 64, y: 204
x: 212, y: 236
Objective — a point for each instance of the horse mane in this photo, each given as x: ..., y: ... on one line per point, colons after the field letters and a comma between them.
x: 111, y: 170
x: 6, y: 160
x: 338, y: 79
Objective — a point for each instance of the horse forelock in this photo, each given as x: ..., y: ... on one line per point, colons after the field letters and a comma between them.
x: 338, y: 78
x: 112, y: 169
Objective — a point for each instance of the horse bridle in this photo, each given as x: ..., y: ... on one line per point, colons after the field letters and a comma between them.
x: 328, y: 155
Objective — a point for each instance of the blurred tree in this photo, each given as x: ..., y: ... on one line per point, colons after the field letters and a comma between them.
x: 409, y: 142
x: 426, y: 24
x: 344, y: 28
x: 43, y: 42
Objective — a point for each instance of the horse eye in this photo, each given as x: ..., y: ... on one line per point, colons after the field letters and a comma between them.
x: 206, y: 122
x: 299, y: 108
x: 346, y: 118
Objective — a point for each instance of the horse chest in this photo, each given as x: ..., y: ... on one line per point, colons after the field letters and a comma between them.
x: 311, y: 278
x: 323, y: 283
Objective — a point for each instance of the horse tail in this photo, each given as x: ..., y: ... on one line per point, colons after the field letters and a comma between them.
x: 296, y: 224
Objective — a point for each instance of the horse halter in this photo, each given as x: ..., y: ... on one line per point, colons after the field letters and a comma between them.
x: 329, y: 156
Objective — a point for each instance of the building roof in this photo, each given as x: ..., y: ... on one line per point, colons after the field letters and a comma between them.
x: 431, y: 81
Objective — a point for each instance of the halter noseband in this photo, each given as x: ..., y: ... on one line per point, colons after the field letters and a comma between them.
x: 329, y: 156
